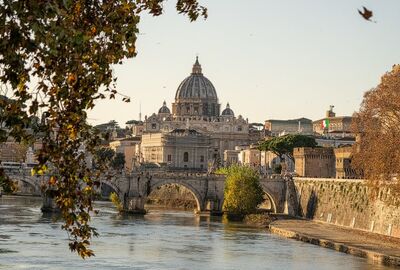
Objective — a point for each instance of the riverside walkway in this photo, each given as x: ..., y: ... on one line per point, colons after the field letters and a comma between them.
x: 376, y: 247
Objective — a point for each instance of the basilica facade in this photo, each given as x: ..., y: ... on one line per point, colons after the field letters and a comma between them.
x: 195, y: 132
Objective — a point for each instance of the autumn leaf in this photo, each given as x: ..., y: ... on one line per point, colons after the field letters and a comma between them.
x: 52, y: 181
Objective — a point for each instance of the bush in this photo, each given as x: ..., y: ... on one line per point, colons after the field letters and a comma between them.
x: 243, y: 192
x: 116, y: 201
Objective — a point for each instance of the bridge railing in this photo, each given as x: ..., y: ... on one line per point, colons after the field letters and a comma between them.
x: 272, y: 177
x: 18, y: 171
x: 179, y: 174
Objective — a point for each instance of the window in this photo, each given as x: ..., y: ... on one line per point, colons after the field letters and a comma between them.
x: 239, y: 128
x: 186, y: 157
x: 201, y: 158
x: 154, y: 126
x: 169, y: 158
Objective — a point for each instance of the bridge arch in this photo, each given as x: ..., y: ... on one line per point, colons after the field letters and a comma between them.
x: 269, y: 194
x: 271, y: 200
x: 111, y: 185
x: 31, y: 181
x: 197, y: 196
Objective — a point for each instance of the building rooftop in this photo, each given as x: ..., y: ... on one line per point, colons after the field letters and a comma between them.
x: 302, y: 119
x: 348, y: 118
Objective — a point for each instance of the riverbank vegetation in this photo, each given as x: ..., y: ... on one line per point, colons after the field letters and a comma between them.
x: 376, y: 153
x: 243, y: 192
x: 115, y: 200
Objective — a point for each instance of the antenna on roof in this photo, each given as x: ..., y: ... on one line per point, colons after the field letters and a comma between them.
x: 140, y: 111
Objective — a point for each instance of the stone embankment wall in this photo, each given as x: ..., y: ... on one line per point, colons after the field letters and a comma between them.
x: 348, y: 203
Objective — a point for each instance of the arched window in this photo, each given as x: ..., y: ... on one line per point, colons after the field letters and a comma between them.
x: 186, y: 157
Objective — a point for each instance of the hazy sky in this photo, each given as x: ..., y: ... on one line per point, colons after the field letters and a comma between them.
x: 268, y: 59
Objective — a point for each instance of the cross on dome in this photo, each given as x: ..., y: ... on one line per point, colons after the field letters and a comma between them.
x: 196, y: 67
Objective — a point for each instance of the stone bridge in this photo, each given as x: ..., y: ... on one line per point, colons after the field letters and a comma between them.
x: 27, y: 184
x: 207, y: 189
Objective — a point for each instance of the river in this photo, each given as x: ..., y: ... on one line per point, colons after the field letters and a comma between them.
x: 162, y: 239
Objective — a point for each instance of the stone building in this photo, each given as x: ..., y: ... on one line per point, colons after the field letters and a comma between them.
x: 130, y: 147
x: 250, y: 157
x: 197, y: 108
x: 314, y: 162
x: 231, y: 157
x: 270, y: 162
x: 334, y: 142
x: 332, y: 125
x: 11, y: 151
x: 295, y: 126
x: 326, y: 162
x: 180, y: 148
x: 343, y: 157
x: 136, y: 127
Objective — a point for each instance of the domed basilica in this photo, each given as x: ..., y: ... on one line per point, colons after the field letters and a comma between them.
x: 195, y: 133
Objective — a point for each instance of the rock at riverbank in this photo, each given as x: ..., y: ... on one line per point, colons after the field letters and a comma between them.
x: 259, y: 220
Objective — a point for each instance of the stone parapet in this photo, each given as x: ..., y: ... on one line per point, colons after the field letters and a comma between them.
x: 349, y: 203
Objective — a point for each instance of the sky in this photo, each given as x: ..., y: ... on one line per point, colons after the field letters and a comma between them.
x: 268, y: 59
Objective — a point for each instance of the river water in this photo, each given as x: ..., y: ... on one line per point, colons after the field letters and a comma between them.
x: 163, y: 239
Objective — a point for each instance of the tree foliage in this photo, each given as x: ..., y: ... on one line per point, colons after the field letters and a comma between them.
x: 6, y: 184
x: 56, y: 61
x: 377, y: 150
x: 111, y: 125
x: 118, y: 162
x: 108, y: 158
x: 243, y: 192
x: 285, y: 145
x: 103, y: 157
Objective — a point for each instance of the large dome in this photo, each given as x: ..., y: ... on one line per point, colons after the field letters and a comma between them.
x: 196, y: 86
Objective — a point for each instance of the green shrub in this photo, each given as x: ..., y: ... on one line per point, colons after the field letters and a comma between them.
x: 116, y: 201
x: 243, y: 192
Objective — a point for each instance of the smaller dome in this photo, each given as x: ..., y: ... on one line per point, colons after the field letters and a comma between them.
x: 164, y: 109
x: 228, y: 111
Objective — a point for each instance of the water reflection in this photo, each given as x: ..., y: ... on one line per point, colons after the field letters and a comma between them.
x: 159, y: 240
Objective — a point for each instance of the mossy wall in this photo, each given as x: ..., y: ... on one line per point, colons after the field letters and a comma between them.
x: 348, y: 203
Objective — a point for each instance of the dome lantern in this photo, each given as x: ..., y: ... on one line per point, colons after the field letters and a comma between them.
x: 196, y: 67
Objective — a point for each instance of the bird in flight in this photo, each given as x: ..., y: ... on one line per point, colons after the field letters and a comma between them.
x: 366, y: 14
